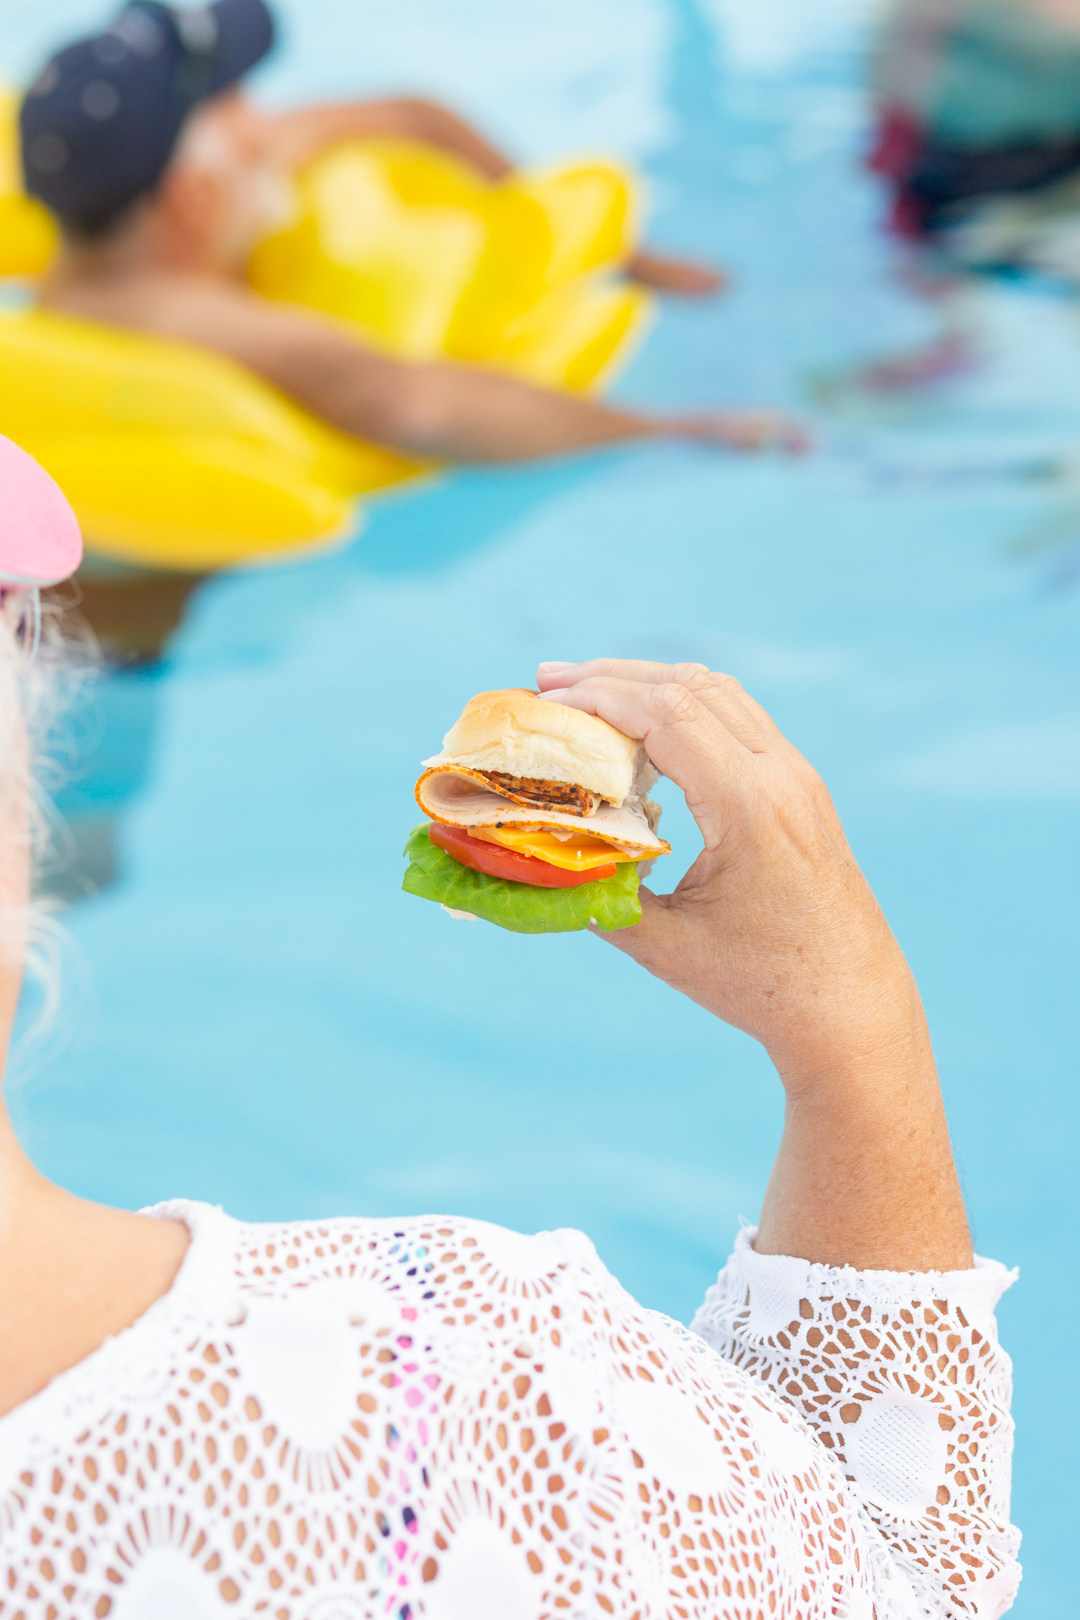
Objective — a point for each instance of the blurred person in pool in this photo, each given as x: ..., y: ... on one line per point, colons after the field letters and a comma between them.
x: 164, y: 178
x: 431, y: 1415
x: 978, y: 105
x: 978, y: 135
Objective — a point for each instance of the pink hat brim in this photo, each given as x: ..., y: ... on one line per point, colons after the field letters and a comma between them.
x: 40, y: 543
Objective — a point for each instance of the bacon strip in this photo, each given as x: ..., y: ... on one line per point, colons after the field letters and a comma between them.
x: 533, y: 790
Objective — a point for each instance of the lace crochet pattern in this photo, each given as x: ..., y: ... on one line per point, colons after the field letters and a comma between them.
x: 435, y: 1417
x: 903, y: 1381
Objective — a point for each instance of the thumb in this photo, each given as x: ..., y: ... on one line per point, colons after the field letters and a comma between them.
x: 655, y: 941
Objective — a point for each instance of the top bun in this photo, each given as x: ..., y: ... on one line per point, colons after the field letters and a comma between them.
x: 525, y: 736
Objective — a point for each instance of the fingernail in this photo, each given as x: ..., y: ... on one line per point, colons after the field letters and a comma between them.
x: 554, y: 697
x: 550, y: 668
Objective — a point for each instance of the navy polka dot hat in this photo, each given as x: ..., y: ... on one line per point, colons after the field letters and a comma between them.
x: 100, y: 123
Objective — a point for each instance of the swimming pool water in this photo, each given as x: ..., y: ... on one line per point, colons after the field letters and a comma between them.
x: 257, y: 1016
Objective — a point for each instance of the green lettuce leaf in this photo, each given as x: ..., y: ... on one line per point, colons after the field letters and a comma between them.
x: 522, y: 907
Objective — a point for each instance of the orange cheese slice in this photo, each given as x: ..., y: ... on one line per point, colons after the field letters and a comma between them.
x: 578, y: 853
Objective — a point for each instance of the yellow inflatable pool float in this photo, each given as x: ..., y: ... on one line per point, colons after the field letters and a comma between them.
x: 27, y: 234
x: 430, y: 260
x: 174, y: 457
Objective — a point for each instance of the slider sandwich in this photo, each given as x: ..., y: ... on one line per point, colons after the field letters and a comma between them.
x: 539, y: 818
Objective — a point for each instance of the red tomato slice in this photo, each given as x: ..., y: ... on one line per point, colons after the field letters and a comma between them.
x: 507, y: 863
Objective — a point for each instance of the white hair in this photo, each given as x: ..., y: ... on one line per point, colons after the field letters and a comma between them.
x: 42, y: 668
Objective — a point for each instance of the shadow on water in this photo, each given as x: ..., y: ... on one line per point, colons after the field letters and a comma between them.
x: 104, y: 756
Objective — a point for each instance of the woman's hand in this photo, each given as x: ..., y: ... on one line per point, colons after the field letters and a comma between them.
x: 775, y: 929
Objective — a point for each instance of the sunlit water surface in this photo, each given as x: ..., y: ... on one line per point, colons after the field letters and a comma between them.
x: 257, y: 1016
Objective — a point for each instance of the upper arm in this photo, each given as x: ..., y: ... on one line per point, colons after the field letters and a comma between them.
x: 318, y: 364
x: 301, y: 135
x: 902, y: 1379
x: 424, y: 409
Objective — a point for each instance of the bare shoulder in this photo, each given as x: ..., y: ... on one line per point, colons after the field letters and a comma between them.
x: 82, y: 1273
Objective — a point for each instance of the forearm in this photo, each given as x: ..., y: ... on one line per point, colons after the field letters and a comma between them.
x: 436, y: 410
x: 303, y: 134
x: 465, y: 414
x: 775, y: 930
x: 427, y: 121
x: 865, y: 1173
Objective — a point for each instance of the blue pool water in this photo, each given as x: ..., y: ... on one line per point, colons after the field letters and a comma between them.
x: 258, y: 1017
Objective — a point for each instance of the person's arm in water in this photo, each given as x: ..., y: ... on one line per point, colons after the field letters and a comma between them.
x: 774, y: 929
x: 460, y: 413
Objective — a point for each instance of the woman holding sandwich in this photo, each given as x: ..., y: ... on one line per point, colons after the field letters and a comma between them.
x: 434, y: 1416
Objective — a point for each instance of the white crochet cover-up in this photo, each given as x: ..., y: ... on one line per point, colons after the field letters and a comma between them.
x: 439, y: 1418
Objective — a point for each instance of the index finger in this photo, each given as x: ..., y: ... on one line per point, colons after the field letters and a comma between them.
x: 684, y: 741
x: 645, y: 670
x: 722, y: 695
